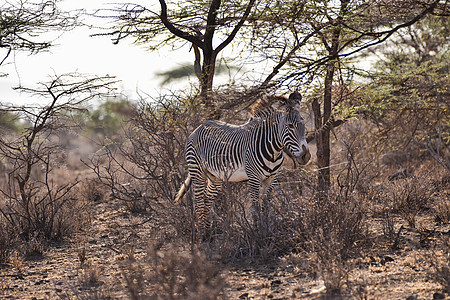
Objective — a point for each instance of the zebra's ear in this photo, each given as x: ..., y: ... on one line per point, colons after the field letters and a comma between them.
x: 295, y: 97
x: 294, y: 100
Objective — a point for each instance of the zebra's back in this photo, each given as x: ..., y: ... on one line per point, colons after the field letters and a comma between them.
x: 219, y: 149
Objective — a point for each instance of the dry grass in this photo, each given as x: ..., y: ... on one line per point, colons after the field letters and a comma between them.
x: 173, y: 273
x: 408, y: 197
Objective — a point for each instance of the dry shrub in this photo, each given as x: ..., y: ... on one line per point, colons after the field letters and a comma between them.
x: 147, y: 169
x: 39, y: 201
x: 91, y: 190
x: 89, y: 277
x: 174, y: 274
x: 439, y: 261
x: 408, y: 197
x: 441, y: 274
x: 441, y: 207
x: 332, y: 226
x: 49, y: 215
x: 7, y: 242
x: 50, y: 211
x: 332, y: 229
x: 441, y: 210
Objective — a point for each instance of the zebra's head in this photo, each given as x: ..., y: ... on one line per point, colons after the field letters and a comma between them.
x: 292, y: 130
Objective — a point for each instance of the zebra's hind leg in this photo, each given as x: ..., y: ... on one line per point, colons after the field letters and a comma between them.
x: 199, y: 186
x: 213, y: 188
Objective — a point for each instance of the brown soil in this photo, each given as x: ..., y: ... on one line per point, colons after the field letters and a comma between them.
x: 92, y: 264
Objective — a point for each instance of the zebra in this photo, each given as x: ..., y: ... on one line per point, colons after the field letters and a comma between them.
x: 218, y: 152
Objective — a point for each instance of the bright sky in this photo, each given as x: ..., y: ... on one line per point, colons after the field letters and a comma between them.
x: 76, y: 51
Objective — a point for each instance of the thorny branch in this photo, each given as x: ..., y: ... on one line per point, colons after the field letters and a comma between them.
x: 33, y: 199
x: 22, y: 24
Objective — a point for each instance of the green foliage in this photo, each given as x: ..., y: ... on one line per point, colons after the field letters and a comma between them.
x: 9, y: 121
x: 23, y: 22
x: 108, y: 118
x: 409, y: 96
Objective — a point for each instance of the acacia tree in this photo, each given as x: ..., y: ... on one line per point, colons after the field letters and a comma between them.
x: 408, y: 95
x: 22, y: 24
x: 311, y: 41
x: 208, y: 27
x: 305, y: 41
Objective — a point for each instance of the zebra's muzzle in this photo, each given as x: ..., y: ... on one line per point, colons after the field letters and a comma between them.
x: 303, y: 156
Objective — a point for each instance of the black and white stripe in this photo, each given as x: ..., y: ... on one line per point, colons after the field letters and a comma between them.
x: 217, y: 152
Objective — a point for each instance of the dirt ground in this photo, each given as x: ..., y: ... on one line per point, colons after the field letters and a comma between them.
x: 92, y: 264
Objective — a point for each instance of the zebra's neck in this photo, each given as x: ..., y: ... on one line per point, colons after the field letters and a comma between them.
x: 266, y: 137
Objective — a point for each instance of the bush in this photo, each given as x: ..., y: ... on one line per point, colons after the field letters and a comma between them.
x: 146, y: 170
x: 39, y: 200
x: 174, y: 274
x: 7, y: 242
x: 332, y: 229
x: 408, y: 197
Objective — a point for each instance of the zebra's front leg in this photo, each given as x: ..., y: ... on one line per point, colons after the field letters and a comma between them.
x: 254, y: 186
x: 268, y: 185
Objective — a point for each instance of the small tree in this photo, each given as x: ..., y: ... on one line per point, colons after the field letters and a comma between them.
x: 199, y: 23
x: 408, y: 95
x: 35, y: 203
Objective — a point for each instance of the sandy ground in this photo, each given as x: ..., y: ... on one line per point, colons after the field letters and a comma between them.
x: 92, y: 264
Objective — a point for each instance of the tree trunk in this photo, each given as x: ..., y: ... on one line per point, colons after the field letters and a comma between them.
x: 319, y: 143
x: 323, y: 135
x: 323, y: 123
x: 207, y: 76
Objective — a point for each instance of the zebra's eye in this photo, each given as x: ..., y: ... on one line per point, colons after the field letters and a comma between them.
x: 290, y: 126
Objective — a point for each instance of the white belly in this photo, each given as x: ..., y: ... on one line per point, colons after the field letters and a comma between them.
x: 236, y: 175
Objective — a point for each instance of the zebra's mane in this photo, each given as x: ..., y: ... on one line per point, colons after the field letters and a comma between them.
x: 268, y: 105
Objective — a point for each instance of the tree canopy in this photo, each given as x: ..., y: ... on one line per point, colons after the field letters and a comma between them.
x: 409, y: 95
x: 23, y: 25
x: 304, y: 41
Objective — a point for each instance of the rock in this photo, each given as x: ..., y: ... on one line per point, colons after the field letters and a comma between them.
x: 240, y: 288
x: 275, y: 282
x: 412, y: 297
x: 387, y: 258
x: 438, y: 295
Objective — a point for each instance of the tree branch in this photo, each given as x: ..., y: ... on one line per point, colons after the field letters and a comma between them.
x: 211, y: 23
x: 283, y: 61
x: 178, y: 32
x: 237, y: 27
x: 382, y: 37
x: 388, y: 33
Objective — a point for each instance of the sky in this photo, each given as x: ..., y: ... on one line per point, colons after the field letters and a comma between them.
x: 77, y: 51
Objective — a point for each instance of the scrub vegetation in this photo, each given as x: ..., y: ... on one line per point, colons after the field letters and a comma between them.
x: 88, y: 179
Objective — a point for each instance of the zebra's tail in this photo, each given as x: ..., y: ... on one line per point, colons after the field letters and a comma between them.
x: 184, y: 187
